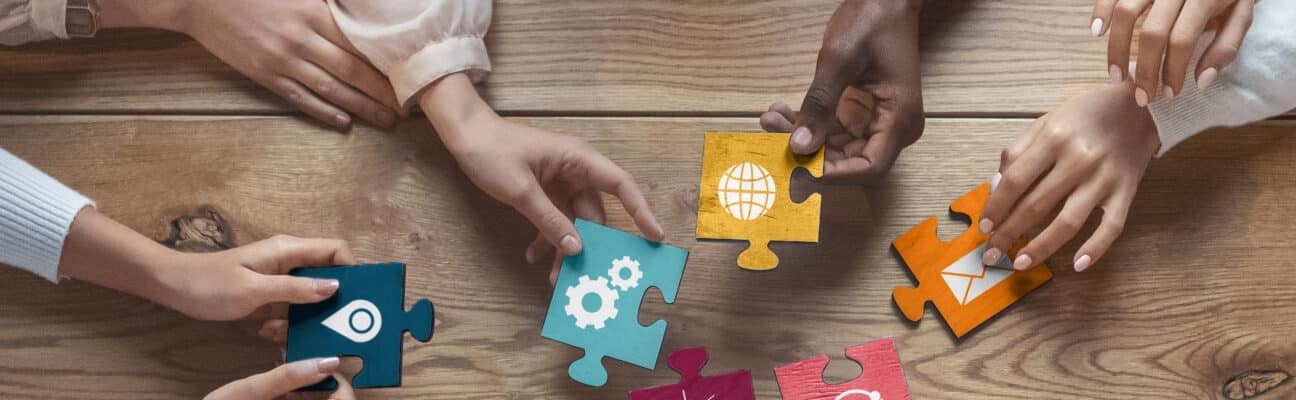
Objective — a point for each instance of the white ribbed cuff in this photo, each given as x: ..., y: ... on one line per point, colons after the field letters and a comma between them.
x: 50, y: 17
x: 460, y: 54
x: 36, y: 212
x: 1191, y: 112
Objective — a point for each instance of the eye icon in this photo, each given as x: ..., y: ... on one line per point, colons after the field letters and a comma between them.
x: 358, y: 321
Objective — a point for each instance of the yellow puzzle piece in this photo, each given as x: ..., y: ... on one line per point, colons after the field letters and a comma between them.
x: 745, y: 184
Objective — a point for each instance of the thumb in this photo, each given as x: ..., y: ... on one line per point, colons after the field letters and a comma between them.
x: 293, y: 289
x: 278, y: 381
x: 840, y: 62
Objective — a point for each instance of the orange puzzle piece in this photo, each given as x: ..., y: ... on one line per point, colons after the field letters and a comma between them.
x: 952, y: 276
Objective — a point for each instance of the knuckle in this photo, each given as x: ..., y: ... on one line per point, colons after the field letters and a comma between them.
x: 1068, y: 223
x: 819, y: 100
x: 1035, y: 209
x: 555, y: 220
x: 1127, y: 10
x: 1153, y: 34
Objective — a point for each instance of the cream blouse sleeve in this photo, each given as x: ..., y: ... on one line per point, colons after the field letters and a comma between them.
x: 416, y: 42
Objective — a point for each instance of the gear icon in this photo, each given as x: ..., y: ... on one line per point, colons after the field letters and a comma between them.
x: 623, y: 264
x: 576, y: 298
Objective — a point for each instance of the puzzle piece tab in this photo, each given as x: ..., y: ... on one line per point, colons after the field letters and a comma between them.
x: 366, y: 319
x: 951, y: 274
x: 746, y: 181
x: 596, y: 300
x: 882, y: 377
x: 688, y: 362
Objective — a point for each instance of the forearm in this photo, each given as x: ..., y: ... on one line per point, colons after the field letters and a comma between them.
x: 104, y: 252
x: 452, y: 105
x: 163, y: 14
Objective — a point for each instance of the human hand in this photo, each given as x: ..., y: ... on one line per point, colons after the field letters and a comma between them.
x: 1088, y: 153
x: 549, y: 178
x: 867, y: 73
x: 1168, y: 39
x: 284, y: 379
x: 293, y: 48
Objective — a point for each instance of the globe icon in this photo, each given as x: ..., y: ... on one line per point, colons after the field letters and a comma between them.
x: 746, y: 191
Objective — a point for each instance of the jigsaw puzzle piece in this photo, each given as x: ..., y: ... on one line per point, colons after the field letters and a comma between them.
x: 882, y: 377
x: 689, y: 362
x: 365, y: 318
x: 951, y: 274
x: 745, y: 194
x: 596, y: 299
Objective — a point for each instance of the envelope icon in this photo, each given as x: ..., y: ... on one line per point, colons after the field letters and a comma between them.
x: 968, y: 277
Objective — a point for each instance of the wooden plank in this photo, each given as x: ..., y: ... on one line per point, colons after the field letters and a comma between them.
x: 621, y: 56
x: 1198, y: 292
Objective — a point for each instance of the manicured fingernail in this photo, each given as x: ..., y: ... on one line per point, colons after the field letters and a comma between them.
x: 656, y: 226
x: 994, y: 181
x: 1022, y: 262
x: 530, y: 255
x: 1206, y: 77
x: 801, y: 137
x: 327, y: 365
x: 326, y: 287
x: 986, y: 225
x: 1082, y: 263
x: 1096, y: 26
x: 342, y: 119
x: 991, y: 256
x: 1140, y: 97
x: 1114, y: 73
x: 569, y: 245
x: 1169, y: 92
x: 386, y: 118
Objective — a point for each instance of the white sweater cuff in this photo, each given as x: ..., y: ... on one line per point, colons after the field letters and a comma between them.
x: 1195, y: 110
x: 36, y: 212
x: 459, y: 54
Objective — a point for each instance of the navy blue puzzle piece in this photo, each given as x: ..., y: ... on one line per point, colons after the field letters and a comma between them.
x: 366, y: 319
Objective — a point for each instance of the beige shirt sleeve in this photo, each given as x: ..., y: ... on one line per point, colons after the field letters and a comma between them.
x: 23, y: 21
x: 416, y: 42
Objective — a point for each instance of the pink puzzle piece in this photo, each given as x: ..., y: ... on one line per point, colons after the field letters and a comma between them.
x: 882, y: 379
x: 693, y: 386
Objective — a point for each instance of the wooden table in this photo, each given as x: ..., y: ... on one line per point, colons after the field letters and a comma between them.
x: 1196, y: 299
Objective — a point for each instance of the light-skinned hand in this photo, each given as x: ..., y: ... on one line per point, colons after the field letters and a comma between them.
x: 1167, y: 40
x: 1088, y: 153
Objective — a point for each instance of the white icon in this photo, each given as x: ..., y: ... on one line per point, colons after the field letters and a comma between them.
x: 576, y: 302
x: 747, y: 191
x: 969, y: 277
x: 849, y: 395
x: 358, y: 321
x: 685, y: 394
x: 616, y: 273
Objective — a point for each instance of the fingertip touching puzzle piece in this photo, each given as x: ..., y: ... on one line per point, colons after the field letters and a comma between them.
x: 745, y: 194
x: 882, y: 377
x: 689, y: 362
x: 365, y: 318
x: 595, y: 305
x: 952, y: 276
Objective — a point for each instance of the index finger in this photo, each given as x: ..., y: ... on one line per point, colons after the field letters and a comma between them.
x: 609, y: 178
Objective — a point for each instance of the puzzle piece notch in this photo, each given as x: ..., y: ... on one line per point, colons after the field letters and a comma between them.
x: 882, y: 376
x: 927, y: 256
x: 382, y: 286
x: 688, y: 363
x: 767, y: 159
x: 620, y: 336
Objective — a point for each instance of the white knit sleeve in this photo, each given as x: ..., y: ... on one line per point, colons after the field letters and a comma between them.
x: 416, y: 42
x: 23, y: 21
x: 1260, y: 83
x: 36, y: 212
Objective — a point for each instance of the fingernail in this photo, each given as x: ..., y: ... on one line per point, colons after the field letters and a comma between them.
x: 1022, y: 263
x: 1096, y: 26
x: 991, y: 256
x: 1169, y: 92
x: 570, y: 245
x: 994, y: 181
x: 801, y: 137
x: 327, y: 365
x: 1140, y: 97
x: 326, y: 287
x: 1114, y: 73
x: 661, y: 233
x: 1206, y: 77
x: 342, y: 119
x: 386, y: 118
x: 986, y: 225
x: 1082, y: 263
x: 530, y: 255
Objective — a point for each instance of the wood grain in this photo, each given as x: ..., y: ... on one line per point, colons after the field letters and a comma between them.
x: 618, y: 56
x: 1198, y: 293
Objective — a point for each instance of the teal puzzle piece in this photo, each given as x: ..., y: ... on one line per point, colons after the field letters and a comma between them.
x: 366, y: 319
x: 596, y: 300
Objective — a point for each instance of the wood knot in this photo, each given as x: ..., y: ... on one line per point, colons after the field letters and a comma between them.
x: 1254, y: 383
x: 204, y: 231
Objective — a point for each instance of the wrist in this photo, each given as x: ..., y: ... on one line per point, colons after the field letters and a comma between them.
x: 103, y: 252
x: 167, y: 14
x: 455, y: 110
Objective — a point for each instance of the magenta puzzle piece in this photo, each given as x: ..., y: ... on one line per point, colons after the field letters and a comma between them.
x: 693, y: 386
